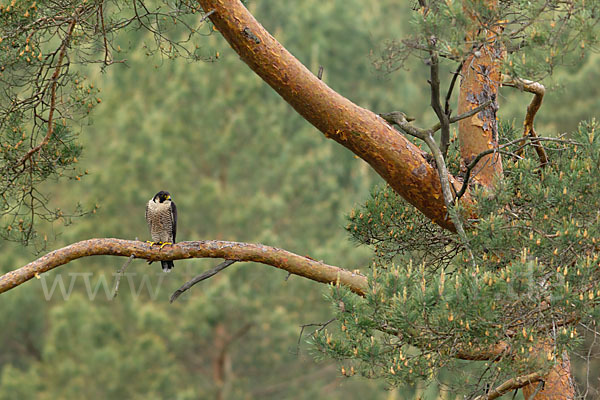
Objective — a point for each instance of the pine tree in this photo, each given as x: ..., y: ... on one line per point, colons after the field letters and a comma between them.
x: 511, y: 267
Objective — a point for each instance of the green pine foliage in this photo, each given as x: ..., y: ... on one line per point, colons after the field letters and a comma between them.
x: 534, y: 276
x: 242, y: 165
x: 536, y: 35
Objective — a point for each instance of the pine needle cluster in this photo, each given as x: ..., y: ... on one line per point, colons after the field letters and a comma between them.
x: 535, y: 274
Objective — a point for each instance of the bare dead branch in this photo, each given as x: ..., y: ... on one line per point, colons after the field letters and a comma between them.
x: 321, y: 326
x: 512, y: 384
x: 208, y: 14
x: 455, y: 75
x: 120, y: 274
x: 403, y: 121
x: 200, y: 278
x: 449, y: 198
x: 434, y: 82
x: 282, y: 259
x: 538, y: 91
x: 463, y: 115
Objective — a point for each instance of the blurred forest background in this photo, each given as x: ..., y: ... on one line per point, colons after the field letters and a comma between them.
x: 241, y: 165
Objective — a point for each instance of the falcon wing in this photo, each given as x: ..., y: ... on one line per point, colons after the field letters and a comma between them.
x: 148, y: 219
x: 173, y: 220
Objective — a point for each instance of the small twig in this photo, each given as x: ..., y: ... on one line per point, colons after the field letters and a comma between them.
x: 463, y: 115
x: 321, y: 326
x: 54, y: 79
x: 200, y: 278
x: 120, y: 274
x: 106, y: 50
x: 539, y: 387
x: 320, y: 73
x: 456, y: 74
x: 208, y: 14
x: 449, y: 199
x: 434, y: 82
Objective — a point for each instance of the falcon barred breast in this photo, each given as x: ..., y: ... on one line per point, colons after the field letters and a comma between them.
x: 161, y: 214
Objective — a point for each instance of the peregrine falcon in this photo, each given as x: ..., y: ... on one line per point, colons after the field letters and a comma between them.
x: 161, y: 214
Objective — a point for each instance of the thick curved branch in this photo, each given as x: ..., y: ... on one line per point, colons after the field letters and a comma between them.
x: 397, y: 160
x: 282, y: 259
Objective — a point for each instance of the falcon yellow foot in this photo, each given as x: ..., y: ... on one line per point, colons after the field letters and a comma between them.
x: 163, y: 244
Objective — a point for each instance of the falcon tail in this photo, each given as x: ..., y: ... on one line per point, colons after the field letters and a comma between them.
x: 167, y: 266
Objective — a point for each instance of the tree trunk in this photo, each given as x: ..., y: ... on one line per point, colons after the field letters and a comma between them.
x: 481, y: 79
x: 557, y: 385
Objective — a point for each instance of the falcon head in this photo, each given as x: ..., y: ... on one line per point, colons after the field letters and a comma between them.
x: 161, y: 197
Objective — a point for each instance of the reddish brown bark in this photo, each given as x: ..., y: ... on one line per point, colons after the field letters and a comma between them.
x: 481, y: 78
x: 558, y: 384
x: 398, y: 161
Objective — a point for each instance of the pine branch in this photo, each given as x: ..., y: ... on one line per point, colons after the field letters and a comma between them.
x: 120, y: 274
x: 282, y: 259
x: 535, y: 141
x: 298, y: 265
